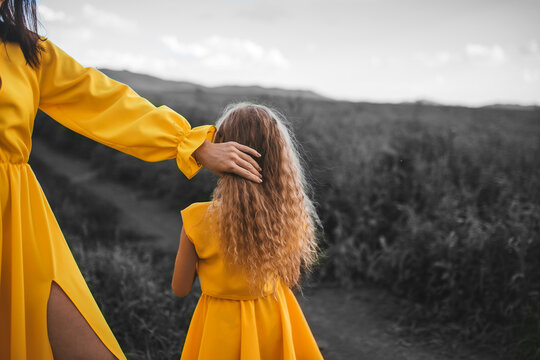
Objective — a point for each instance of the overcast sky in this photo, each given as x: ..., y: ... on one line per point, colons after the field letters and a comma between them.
x: 473, y: 52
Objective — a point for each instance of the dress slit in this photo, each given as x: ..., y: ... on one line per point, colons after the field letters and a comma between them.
x: 77, y: 328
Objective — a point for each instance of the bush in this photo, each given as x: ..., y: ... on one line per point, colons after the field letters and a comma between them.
x: 439, y: 204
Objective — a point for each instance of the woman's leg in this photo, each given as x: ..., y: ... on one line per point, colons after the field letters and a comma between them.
x: 70, y: 335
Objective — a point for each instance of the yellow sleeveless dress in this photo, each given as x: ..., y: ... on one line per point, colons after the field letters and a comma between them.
x: 229, y: 323
x: 33, y: 252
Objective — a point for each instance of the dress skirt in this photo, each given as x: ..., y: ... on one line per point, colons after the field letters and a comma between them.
x: 33, y: 254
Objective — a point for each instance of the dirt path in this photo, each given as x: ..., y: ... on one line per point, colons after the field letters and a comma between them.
x: 142, y: 216
x: 346, y: 324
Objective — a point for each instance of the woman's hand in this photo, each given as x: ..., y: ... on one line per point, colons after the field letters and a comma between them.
x: 229, y: 157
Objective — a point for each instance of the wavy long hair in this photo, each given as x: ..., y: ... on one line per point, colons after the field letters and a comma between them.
x: 267, y: 229
x: 19, y: 24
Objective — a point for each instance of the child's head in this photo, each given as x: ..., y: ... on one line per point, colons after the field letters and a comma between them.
x: 263, y: 129
x: 268, y: 229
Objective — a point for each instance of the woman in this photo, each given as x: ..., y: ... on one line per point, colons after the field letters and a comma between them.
x: 46, y: 308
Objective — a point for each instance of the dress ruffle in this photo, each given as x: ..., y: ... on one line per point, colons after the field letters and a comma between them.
x: 271, y: 327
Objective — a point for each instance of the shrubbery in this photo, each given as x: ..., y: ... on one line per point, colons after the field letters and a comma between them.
x: 439, y: 204
x: 135, y: 296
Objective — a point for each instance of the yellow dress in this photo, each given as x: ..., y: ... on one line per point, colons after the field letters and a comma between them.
x: 33, y: 252
x: 229, y: 323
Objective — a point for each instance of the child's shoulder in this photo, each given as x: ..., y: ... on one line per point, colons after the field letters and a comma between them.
x: 195, y: 211
x: 197, y: 206
x: 195, y: 222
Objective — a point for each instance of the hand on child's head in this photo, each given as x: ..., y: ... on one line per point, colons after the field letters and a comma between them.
x: 229, y: 157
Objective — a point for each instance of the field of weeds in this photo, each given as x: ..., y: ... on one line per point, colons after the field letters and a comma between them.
x: 440, y: 205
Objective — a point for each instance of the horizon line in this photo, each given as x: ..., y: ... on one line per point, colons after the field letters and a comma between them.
x: 423, y: 101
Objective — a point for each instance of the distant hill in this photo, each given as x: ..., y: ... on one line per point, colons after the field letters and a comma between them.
x: 146, y: 83
x: 168, y: 89
x: 512, y: 107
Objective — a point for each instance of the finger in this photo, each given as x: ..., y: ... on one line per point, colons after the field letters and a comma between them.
x: 247, y: 149
x: 246, y: 165
x: 249, y: 159
x: 246, y: 174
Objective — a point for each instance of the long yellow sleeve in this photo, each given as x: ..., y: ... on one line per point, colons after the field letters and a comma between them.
x: 92, y: 104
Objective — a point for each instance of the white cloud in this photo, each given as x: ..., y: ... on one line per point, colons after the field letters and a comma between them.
x: 438, y: 59
x: 485, y: 53
x: 533, y: 48
x: 375, y: 61
x: 108, y: 20
x: 194, y: 50
x: 81, y: 33
x: 531, y: 75
x: 381, y: 62
x: 135, y: 62
x: 50, y: 15
x: 221, y: 52
x: 311, y: 47
x: 440, y: 79
x: 476, y: 53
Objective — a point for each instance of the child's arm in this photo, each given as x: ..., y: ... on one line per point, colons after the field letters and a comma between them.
x: 184, y: 267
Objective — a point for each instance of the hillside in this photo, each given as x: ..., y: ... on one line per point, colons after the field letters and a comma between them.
x: 147, y: 83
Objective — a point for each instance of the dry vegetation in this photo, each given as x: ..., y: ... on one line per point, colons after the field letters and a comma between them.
x: 441, y: 205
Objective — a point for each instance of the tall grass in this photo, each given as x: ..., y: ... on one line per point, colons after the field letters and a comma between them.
x: 441, y: 205
x: 449, y: 221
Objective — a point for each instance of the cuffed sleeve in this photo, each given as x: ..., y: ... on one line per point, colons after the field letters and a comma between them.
x: 92, y: 104
x: 187, y: 144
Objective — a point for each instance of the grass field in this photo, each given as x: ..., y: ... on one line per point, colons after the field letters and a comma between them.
x: 441, y: 205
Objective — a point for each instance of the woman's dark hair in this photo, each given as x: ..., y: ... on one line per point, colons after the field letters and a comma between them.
x: 19, y: 24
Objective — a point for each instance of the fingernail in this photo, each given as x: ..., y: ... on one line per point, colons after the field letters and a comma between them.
x: 259, y: 155
x: 260, y: 181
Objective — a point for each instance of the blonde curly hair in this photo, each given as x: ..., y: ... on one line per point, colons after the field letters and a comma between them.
x: 266, y: 229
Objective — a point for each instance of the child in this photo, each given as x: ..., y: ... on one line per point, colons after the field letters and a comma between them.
x: 248, y: 246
